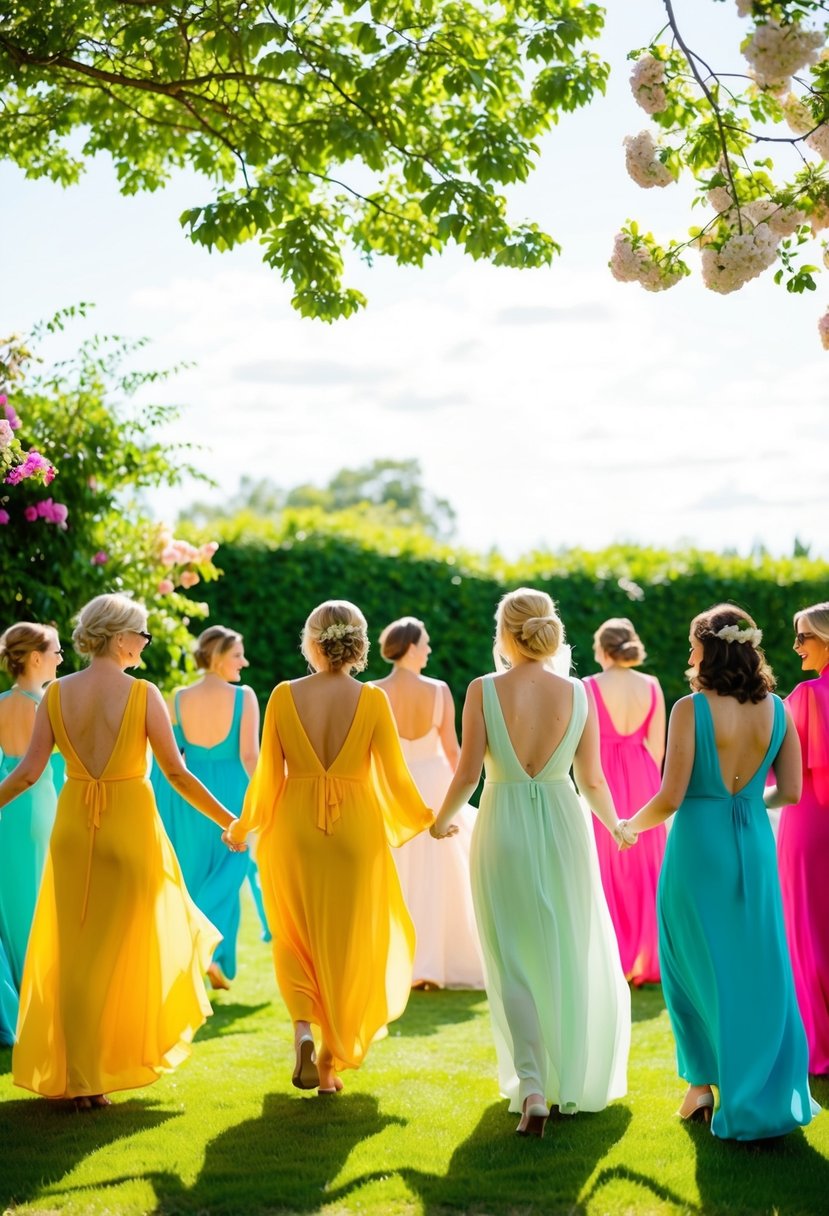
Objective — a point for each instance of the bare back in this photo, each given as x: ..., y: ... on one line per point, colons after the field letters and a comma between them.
x: 742, y: 734
x: 92, y: 705
x: 17, y: 721
x: 205, y: 712
x: 412, y: 700
x: 537, y: 706
x: 627, y: 697
x: 326, y: 705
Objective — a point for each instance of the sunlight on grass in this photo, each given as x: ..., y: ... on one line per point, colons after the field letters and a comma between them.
x: 420, y: 1131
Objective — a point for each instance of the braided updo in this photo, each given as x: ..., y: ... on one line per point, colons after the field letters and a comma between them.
x: 335, y: 636
x: 526, y: 623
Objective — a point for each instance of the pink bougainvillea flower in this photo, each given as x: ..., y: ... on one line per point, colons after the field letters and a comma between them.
x: 11, y: 415
x: 31, y: 514
x: 100, y: 558
x: 60, y: 513
x: 189, y: 578
x: 165, y: 587
x: 4, y: 516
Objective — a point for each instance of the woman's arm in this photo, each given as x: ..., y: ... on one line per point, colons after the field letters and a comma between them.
x: 788, y: 770
x: 655, y: 739
x: 249, y: 732
x: 587, y: 770
x: 448, y: 734
x: 679, y: 761
x: 162, y: 741
x: 267, y: 782
x: 470, y: 763
x: 31, y: 766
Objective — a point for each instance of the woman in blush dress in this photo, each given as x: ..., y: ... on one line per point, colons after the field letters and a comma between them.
x: 803, y: 837
x: 631, y: 712
x: 559, y: 1003
x: 434, y: 878
x: 31, y: 654
x: 330, y: 793
x: 726, y: 973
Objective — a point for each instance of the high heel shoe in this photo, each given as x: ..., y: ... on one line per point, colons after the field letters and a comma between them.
x: 533, y: 1120
x: 701, y: 1111
x: 306, y: 1074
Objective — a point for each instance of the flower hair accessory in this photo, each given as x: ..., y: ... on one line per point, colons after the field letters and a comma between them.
x: 337, y: 631
x: 734, y: 633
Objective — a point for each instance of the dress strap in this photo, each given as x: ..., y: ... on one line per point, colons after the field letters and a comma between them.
x: 23, y: 692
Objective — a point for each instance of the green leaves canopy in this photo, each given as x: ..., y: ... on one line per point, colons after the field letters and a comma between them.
x: 391, y: 126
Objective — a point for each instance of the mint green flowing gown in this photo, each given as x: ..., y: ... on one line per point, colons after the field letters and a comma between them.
x: 25, y: 827
x: 726, y: 973
x: 559, y: 1003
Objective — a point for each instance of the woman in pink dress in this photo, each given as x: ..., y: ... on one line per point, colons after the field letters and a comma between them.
x: 434, y: 877
x: 631, y: 710
x: 803, y: 837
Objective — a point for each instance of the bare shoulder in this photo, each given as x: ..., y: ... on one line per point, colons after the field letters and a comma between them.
x: 683, y: 710
x: 475, y: 691
x: 249, y: 694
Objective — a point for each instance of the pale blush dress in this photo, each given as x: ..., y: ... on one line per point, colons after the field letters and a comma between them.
x: 803, y: 855
x: 559, y: 1003
x: 434, y: 874
x: 630, y: 878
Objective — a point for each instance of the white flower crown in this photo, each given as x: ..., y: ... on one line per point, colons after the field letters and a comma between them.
x: 733, y: 633
x: 338, y: 631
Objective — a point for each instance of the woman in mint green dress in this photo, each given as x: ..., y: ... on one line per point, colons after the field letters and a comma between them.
x: 726, y: 972
x: 216, y: 727
x: 559, y: 1002
x: 31, y: 654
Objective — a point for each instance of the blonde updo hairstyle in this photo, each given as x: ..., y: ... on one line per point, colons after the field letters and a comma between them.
x: 101, y: 619
x: 397, y: 637
x: 527, y: 625
x: 212, y: 643
x: 21, y: 640
x: 620, y: 642
x: 816, y: 617
x: 346, y: 645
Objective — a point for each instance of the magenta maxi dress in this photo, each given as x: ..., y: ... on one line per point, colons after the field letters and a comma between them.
x: 803, y: 856
x: 630, y: 878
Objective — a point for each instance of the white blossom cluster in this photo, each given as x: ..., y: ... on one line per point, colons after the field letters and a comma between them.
x: 781, y: 220
x: 744, y: 8
x: 823, y: 330
x: 800, y: 119
x: 643, y: 163
x: 819, y: 218
x: 776, y: 52
x: 742, y: 257
x: 635, y: 265
x: 646, y: 81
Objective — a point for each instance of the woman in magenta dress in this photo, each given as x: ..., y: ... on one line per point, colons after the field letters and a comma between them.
x: 631, y: 710
x: 803, y: 838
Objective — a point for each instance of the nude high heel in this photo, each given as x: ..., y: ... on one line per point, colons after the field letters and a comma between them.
x: 701, y: 1111
x: 534, y: 1120
x: 306, y: 1074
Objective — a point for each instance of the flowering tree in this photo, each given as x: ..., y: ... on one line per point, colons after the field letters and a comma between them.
x: 721, y: 128
x: 75, y: 455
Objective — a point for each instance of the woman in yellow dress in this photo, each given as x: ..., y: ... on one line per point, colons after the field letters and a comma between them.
x: 112, y: 990
x: 330, y: 793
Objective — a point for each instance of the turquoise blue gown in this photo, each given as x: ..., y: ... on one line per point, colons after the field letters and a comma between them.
x: 25, y: 827
x: 726, y: 973
x: 213, y: 875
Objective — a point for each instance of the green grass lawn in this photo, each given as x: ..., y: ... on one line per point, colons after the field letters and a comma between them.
x: 420, y: 1130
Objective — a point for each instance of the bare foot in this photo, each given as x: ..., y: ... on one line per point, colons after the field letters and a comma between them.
x: 217, y: 977
x: 330, y: 1083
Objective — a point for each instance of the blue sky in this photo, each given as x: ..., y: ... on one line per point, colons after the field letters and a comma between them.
x: 552, y: 407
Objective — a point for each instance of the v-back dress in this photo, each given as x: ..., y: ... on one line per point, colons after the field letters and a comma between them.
x: 434, y: 874
x: 726, y: 974
x: 25, y: 828
x: 559, y: 1003
x: 803, y: 855
x: 630, y: 877
x: 212, y: 873
x: 343, y: 941
x: 112, y: 989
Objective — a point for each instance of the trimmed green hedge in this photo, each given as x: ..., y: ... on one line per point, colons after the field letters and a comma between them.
x: 274, y: 573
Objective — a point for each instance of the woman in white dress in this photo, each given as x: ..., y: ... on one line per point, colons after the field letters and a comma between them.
x: 434, y: 878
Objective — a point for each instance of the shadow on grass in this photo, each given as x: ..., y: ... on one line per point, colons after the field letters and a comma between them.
x: 646, y: 1003
x: 498, y: 1172
x: 43, y: 1142
x: 286, y: 1159
x: 5, y: 1060
x: 224, y: 1018
x: 427, y: 1012
x: 785, y: 1176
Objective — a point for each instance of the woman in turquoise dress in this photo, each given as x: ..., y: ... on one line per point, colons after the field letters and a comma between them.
x: 726, y: 973
x: 31, y: 654
x: 559, y: 1002
x: 216, y: 727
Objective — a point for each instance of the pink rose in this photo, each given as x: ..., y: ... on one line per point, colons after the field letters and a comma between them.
x: 31, y: 514
x: 189, y: 578
x: 100, y: 558
x: 168, y: 556
x: 59, y: 513
x: 207, y: 550
x: 6, y: 433
x: 165, y: 587
x: 4, y: 516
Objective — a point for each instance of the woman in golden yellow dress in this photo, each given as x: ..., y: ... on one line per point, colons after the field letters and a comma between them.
x: 330, y: 793
x: 112, y: 990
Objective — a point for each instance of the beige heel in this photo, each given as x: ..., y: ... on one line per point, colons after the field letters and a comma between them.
x: 306, y: 1074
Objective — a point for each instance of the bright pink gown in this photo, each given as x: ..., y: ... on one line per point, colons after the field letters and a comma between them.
x: 630, y: 878
x: 803, y: 855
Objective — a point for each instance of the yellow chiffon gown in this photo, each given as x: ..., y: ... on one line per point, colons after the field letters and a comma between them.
x: 112, y: 990
x: 343, y: 940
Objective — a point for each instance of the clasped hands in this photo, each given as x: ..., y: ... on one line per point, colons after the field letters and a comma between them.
x: 234, y: 846
x: 624, y: 835
x: 440, y: 833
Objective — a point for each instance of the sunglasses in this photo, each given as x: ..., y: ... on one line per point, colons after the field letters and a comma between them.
x: 142, y: 633
x: 800, y: 638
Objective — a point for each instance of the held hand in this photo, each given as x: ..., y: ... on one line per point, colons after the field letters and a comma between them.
x: 443, y: 833
x: 624, y: 835
x: 232, y: 844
